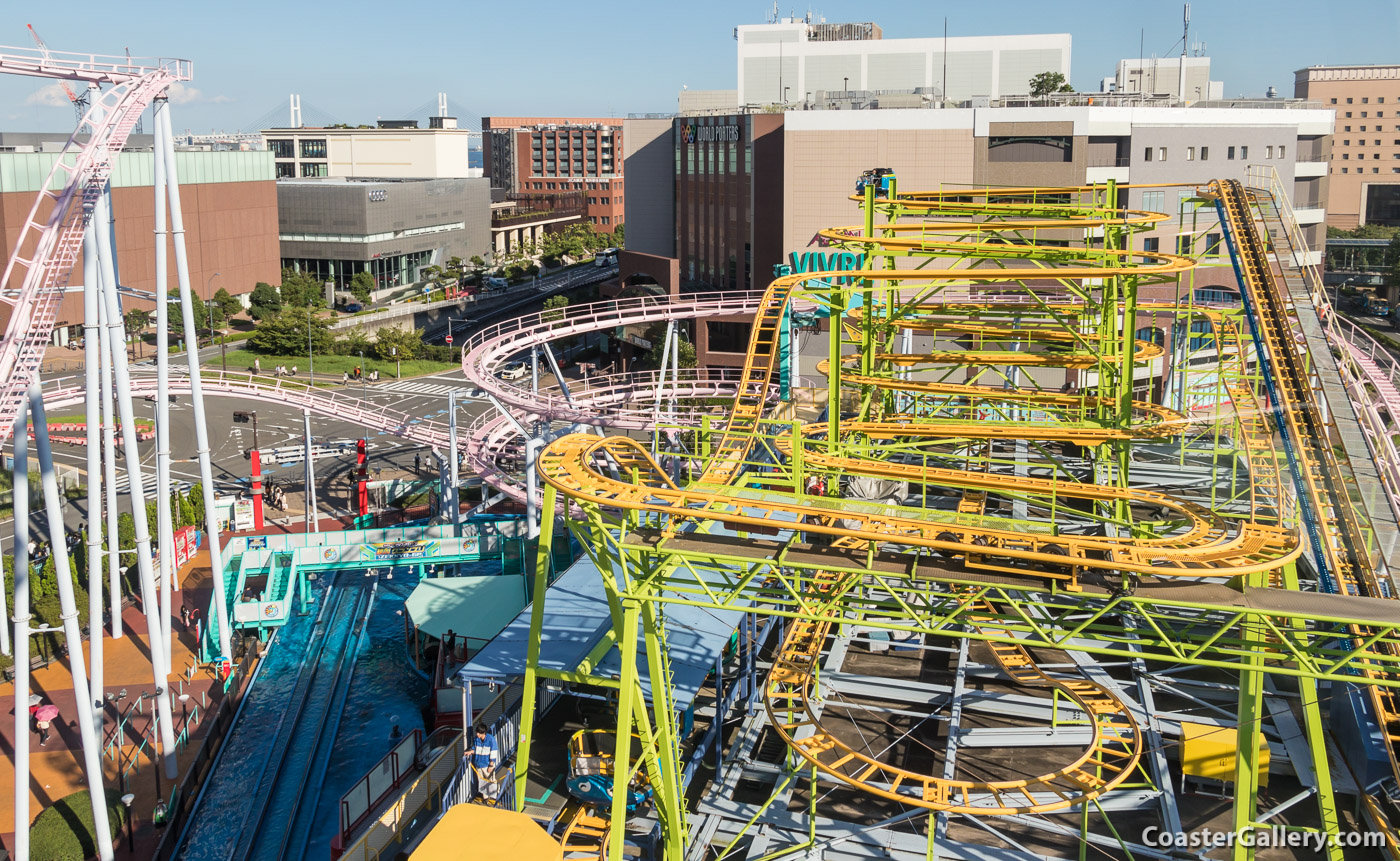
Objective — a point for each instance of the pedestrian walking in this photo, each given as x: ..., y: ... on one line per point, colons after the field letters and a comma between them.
x: 198, y: 625
x: 44, y: 714
x: 345, y: 378
x: 485, y: 756
x: 185, y: 616
x: 257, y: 366
x: 417, y: 463
x: 294, y: 370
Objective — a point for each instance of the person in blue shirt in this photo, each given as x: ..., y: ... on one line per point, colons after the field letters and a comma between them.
x: 485, y: 756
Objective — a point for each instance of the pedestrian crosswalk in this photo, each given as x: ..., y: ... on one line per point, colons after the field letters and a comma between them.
x: 413, y: 387
x: 148, y: 483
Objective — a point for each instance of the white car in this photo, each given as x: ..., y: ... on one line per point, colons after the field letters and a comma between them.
x: 514, y: 371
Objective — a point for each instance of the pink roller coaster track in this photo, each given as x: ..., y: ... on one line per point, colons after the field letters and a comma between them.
x: 80, y: 173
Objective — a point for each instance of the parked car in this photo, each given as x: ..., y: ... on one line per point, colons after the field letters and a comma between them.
x: 495, y: 283
x: 514, y: 371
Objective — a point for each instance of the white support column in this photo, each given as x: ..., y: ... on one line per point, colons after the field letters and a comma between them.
x: 452, y: 478
x: 165, y: 149
x: 136, y: 486
x: 109, y: 457
x: 68, y: 613
x: 532, y: 487
x: 165, y: 527
x: 92, y: 361
x: 661, y: 387
x: 313, y: 523
x: 21, y: 644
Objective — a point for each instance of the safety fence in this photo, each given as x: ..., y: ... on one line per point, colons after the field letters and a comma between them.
x: 413, y: 809
x: 182, y: 801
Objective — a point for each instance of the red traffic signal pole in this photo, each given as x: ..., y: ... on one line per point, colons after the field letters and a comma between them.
x: 362, y: 471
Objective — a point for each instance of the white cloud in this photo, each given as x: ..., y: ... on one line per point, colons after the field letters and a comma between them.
x: 183, y: 95
x: 48, y: 96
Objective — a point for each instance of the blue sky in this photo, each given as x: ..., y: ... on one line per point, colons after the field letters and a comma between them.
x: 355, y: 60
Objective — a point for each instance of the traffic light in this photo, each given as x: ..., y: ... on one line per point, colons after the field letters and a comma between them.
x: 240, y: 417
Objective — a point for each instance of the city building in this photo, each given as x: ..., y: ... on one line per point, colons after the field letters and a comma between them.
x: 795, y: 60
x: 396, y: 149
x: 391, y: 228
x: 1161, y: 76
x: 229, y: 201
x: 522, y: 220
x: 554, y: 155
x: 752, y: 190
x: 1364, y: 169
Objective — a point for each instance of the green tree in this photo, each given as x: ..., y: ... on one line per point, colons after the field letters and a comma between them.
x: 620, y: 236
x: 456, y: 269
x: 478, y: 266
x: 265, y: 301
x: 205, y: 321
x: 554, y: 308
x: 286, y: 334
x: 1046, y: 83
x: 362, y: 285
x: 409, y: 343
x: 353, y: 343
x: 136, y: 321
x: 1392, y: 262
x: 300, y: 289
x: 228, y: 303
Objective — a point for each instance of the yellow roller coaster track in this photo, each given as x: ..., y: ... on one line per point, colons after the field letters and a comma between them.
x: 617, y: 472
x: 1342, y: 538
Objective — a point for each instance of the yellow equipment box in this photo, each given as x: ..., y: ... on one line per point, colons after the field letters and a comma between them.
x: 1210, y: 752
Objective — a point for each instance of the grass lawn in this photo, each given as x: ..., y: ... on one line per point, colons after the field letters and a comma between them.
x: 333, y: 366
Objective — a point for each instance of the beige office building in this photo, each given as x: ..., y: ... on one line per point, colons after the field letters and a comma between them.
x: 1364, y: 170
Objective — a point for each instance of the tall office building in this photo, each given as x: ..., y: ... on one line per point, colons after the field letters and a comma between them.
x: 1364, y: 169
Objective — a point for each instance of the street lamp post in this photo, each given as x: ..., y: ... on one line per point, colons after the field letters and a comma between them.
x: 310, y: 352
x: 364, y: 391
x: 130, y: 826
x: 209, y: 289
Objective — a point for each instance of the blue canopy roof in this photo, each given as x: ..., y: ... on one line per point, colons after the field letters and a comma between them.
x: 576, y: 618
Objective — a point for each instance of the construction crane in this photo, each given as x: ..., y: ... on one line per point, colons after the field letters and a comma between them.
x: 79, y: 100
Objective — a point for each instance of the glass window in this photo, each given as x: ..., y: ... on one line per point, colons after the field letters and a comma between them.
x: 286, y: 170
x: 313, y: 149
x: 1268, y: 152
x: 1154, y: 201
x: 1334, y: 101
x: 281, y: 149
x: 1348, y: 101
x: 1212, y: 245
x: 1150, y: 334
x: 1161, y: 153
x: 313, y: 168
x: 1229, y: 153
x: 1205, y: 153
x: 1244, y: 152
x: 1183, y: 244
x: 1151, y: 243
x: 1147, y: 156
x: 1190, y: 153
x: 1375, y: 170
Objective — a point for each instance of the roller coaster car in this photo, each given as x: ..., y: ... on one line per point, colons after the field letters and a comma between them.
x: 591, y: 762
x: 879, y: 177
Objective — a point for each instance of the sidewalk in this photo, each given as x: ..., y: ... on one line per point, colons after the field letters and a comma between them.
x: 57, y: 769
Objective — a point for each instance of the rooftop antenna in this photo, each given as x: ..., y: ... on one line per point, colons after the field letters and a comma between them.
x: 1185, y: 50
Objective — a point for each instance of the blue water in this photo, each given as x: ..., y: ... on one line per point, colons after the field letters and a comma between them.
x: 384, y: 690
x: 217, y: 821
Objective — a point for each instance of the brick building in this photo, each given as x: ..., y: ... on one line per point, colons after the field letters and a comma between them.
x: 229, y: 201
x: 552, y: 155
